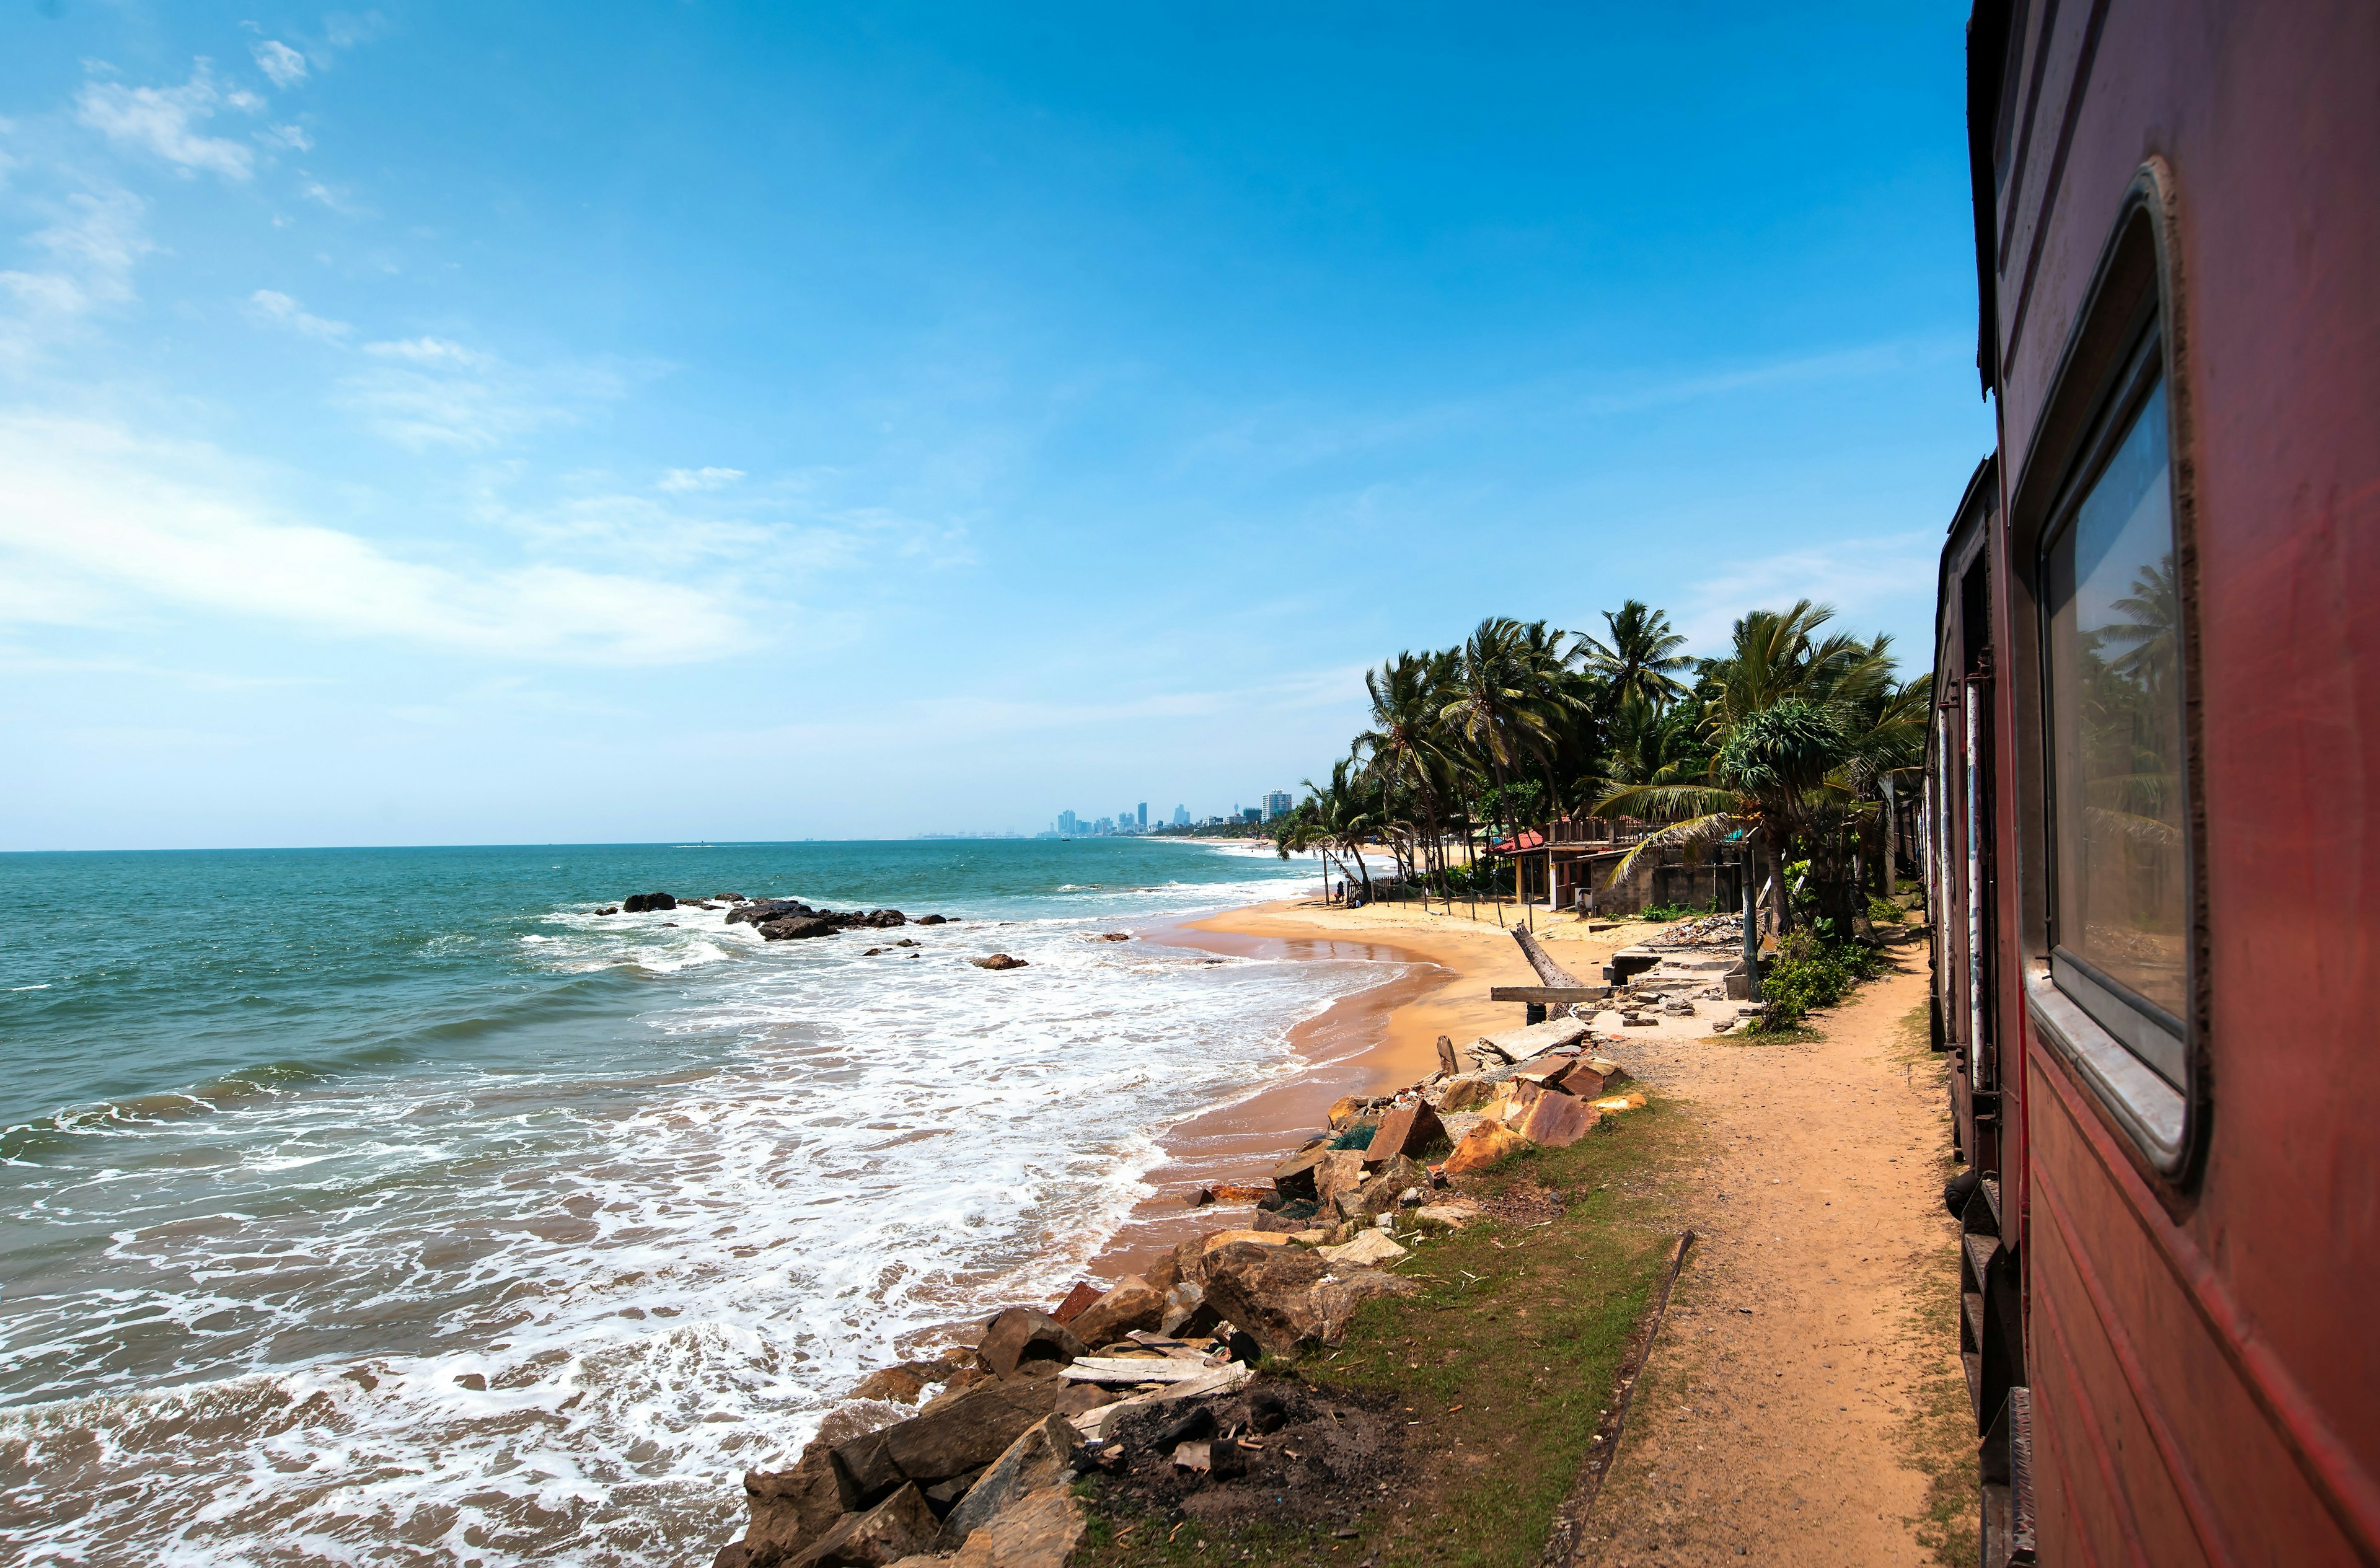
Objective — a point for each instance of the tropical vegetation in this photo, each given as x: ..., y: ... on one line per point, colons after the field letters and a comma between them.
x: 1788, y: 739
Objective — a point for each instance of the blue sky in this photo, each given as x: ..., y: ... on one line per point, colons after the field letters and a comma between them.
x: 528, y: 423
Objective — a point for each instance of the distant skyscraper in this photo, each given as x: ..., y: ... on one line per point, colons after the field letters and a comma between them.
x: 1069, y: 825
x: 1276, y: 805
x: 1182, y: 816
x: 1143, y: 813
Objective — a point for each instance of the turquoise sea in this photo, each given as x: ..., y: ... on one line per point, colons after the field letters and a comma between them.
x: 392, y: 1206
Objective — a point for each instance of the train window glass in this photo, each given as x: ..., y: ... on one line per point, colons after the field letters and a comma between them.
x: 2120, y: 888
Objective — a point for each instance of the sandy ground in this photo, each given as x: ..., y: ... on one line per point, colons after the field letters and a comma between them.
x: 1773, y: 1421
x: 1436, y: 973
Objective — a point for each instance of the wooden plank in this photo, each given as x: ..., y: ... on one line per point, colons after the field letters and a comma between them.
x: 1549, y: 996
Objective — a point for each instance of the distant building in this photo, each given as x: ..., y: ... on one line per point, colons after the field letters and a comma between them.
x: 1276, y: 805
x: 1069, y: 825
x: 1104, y: 825
x: 1253, y: 814
x: 1182, y: 816
x: 1143, y: 814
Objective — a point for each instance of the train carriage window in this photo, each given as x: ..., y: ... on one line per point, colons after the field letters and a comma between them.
x: 2119, y: 895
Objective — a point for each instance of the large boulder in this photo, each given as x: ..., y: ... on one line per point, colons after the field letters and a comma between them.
x: 1264, y: 1290
x: 796, y: 928
x: 1293, y: 1177
x: 956, y: 1434
x: 998, y: 961
x: 899, y: 1526
x: 1021, y: 1336
x: 763, y: 910
x: 1040, y: 1530
x: 789, y: 1510
x: 1339, y: 1170
x: 1404, y: 1133
x: 1549, y: 1116
x: 1467, y: 1092
x: 638, y: 903
x: 1077, y: 1300
x: 1334, y: 1299
x: 1378, y: 1193
x: 1131, y: 1304
x: 1484, y: 1148
x: 1037, y: 1459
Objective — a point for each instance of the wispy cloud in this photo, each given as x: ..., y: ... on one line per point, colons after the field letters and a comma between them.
x: 164, y: 121
x: 123, y: 521
x: 1858, y: 576
x: 438, y: 351
x: 277, y: 60
x: 680, y: 481
x: 291, y: 138
x: 273, y: 307
x: 92, y: 250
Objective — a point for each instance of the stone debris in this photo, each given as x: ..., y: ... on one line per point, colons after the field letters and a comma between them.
x: 1149, y: 1379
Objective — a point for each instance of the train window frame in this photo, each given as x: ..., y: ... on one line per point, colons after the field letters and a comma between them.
x: 2128, y: 338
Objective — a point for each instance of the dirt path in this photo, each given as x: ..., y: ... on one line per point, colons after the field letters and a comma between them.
x: 1800, y: 1373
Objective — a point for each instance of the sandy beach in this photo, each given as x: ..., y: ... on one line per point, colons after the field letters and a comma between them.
x: 1437, y: 970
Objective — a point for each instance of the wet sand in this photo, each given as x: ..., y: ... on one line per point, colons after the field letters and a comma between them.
x: 1437, y: 970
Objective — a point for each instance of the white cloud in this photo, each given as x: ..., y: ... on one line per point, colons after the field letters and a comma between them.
x: 125, y: 521
x: 678, y: 482
x: 163, y: 120
x: 293, y: 138
x: 93, y: 249
x: 282, y: 64
x: 1861, y: 577
x: 438, y: 351
x: 275, y: 309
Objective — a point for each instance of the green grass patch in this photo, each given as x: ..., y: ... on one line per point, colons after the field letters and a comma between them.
x: 1505, y: 1364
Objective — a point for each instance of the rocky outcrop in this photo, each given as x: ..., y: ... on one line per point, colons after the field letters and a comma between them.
x: 797, y: 928
x: 638, y: 903
x: 1405, y: 1132
x: 900, y: 1527
x: 948, y: 1438
x: 998, y: 961
x: 1037, y: 1459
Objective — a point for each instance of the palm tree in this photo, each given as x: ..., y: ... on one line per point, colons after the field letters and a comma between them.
x: 1801, y: 729
x: 1406, y: 748
x: 1642, y: 660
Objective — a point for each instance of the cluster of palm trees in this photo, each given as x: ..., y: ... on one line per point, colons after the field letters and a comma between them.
x: 1790, y: 739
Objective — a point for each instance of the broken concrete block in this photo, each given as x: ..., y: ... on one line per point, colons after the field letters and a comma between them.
x: 1367, y: 1251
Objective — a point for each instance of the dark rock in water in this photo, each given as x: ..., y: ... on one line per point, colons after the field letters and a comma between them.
x: 609, y: 909
x: 638, y: 903
x: 1021, y: 1335
x: 998, y: 961
x: 763, y: 910
x: 731, y: 898
x: 796, y: 928
x: 929, y: 920
x: 871, y: 953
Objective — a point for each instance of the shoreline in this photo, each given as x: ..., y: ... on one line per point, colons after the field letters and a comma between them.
x: 1382, y: 1037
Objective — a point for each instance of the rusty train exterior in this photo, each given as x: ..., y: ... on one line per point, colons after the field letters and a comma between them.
x: 2153, y: 860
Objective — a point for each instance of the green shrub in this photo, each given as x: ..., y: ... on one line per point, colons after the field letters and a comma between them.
x: 1811, y: 970
x: 1885, y: 912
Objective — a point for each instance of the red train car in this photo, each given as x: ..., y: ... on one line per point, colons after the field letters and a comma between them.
x: 2153, y: 866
